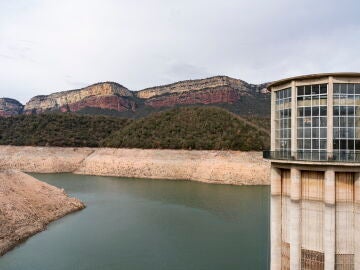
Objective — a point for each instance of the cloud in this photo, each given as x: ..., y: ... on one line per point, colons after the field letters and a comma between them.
x: 48, y: 45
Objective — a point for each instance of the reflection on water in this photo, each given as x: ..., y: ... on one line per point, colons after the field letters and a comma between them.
x: 151, y: 224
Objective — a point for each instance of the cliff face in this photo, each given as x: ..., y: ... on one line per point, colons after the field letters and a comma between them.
x: 220, y: 89
x: 10, y: 107
x: 113, y: 96
x: 109, y: 102
x: 221, y: 94
x: 192, y: 85
x: 102, y: 95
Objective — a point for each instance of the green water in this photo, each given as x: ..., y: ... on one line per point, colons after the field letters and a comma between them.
x: 135, y: 224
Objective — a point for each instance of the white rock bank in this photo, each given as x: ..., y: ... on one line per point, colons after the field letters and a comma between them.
x: 222, y: 167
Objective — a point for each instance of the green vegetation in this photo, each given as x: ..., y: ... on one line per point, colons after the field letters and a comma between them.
x: 179, y: 128
x: 257, y: 105
x: 60, y: 129
x: 263, y: 122
x: 190, y: 128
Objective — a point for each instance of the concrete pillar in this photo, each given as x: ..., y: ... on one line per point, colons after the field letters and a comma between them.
x: 293, y: 119
x: 275, y: 218
x: 357, y: 222
x: 329, y: 220
x: 295, y: 220
x: 272, y: 120
x: 344, y: 219
x: 330, y: 124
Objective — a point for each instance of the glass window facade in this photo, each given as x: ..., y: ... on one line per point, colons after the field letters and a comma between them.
x: 312, y: 121
x: 346, y: 118
x: 283, y: 120
x: 311, y: 118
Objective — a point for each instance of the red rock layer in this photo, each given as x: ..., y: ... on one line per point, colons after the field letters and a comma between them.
x: 111, y: 102
x: 222, y: 94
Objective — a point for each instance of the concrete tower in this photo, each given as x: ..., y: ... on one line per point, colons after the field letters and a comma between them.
x: 315, y: 172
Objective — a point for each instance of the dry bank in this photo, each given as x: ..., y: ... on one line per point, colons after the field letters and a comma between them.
x: 221, y: 167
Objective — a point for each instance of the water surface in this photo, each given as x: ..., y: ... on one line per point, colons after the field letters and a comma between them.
x: 135, y: 224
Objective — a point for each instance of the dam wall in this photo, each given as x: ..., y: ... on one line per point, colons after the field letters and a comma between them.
x: 221, y: 167
x: 314, y: 218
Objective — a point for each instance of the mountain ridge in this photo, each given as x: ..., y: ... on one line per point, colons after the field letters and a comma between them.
x: 189, y: 84
x: 106, y: 97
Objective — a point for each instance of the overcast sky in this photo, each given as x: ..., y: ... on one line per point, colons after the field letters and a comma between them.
x: 48, y: 46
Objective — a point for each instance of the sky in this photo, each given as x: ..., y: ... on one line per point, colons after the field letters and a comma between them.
x: 48, y: 46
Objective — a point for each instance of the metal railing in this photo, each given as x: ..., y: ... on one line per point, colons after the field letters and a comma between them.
x: 336, y: 156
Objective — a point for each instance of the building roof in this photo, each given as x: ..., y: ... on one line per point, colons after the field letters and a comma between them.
x: 314, y: 76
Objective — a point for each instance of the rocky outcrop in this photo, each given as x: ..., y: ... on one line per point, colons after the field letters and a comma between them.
x: 111, y: 102
x: 10, y: 107
x: 221, y: 167
x: 195, y: 85
x: 220, y: 89
x: 221, y: 94
x: 27, y: 205
x: 113, y: 96
x: 106, y: 95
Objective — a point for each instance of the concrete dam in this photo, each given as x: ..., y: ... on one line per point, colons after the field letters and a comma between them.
x: 315, y: 172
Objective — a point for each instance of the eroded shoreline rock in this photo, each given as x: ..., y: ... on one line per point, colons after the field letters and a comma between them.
x: 27, y: 206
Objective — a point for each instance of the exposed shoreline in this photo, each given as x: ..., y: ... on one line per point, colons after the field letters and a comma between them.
x: 221, y: 167
x: 27, y: 206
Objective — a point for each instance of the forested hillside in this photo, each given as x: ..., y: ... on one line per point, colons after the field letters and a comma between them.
x: 58, y: 129
x: 179, y: 128
x: 190, y: 128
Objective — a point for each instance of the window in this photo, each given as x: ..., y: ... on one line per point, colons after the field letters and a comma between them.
x: 312, y: 121
x: 283, y: 120
x: 346, y: 118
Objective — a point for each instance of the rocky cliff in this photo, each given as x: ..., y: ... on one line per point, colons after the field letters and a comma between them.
x: 220, y: 94
x: 106, y: 95
x: 195, y: 85
x: 219, y: 89
x: 243, y: 97
x: 10, y: 107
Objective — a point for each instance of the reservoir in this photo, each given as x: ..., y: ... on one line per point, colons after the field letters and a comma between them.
x: 137, y: 224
